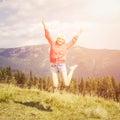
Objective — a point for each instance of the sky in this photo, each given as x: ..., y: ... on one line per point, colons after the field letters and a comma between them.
x: 20, y: 22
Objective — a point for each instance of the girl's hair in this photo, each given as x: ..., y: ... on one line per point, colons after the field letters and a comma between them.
x: 61, y: 36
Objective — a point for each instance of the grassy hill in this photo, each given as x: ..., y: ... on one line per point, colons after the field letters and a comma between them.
x: 25, y: 104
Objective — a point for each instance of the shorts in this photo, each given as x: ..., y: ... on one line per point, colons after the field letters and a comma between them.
x: 57, y: 67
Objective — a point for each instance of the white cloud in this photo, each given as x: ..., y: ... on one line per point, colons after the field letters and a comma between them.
x: 20, y: 21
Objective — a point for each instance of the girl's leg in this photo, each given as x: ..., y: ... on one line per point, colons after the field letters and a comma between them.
x: 55, y: 79
x: 72, y: 69
x: 67, y: 79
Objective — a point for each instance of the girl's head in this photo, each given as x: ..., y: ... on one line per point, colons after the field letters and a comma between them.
x: 60, y: 40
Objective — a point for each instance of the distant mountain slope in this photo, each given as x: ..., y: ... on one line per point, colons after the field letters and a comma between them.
x: 91, y: 62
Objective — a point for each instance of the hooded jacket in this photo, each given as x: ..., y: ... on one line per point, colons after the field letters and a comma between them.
x: 58, y: 52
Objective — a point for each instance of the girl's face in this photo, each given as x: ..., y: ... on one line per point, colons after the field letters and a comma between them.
x: 60, y: 41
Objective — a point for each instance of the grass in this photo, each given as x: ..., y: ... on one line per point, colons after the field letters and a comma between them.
x: 24, y: 104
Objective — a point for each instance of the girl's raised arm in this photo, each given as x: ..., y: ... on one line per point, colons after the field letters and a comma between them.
x: 47, y: 34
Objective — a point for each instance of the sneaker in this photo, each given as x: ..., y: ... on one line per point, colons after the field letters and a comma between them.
x: 50, y: 89
x: 73, y: 67
x: 55, y: 90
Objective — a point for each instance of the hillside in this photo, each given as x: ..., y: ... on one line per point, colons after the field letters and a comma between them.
x: 24, y: 104
x: 91, y: 62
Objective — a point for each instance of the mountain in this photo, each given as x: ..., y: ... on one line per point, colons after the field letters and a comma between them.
x: 92, y: 62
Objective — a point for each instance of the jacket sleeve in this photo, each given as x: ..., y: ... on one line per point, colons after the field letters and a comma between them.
x: 48, y: 36
x: 72, y: 42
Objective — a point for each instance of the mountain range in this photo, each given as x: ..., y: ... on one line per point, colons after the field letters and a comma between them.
x: 91, y: 62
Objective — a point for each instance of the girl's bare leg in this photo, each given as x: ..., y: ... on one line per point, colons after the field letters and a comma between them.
x: 72, y: 69
x: 67, y: 79
x: 55, y: 79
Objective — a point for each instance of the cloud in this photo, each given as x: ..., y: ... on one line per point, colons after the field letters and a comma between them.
x: 20, y: 21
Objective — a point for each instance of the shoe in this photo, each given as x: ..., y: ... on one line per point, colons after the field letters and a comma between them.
x: 55, y: 90
x: 73, y: 67
x: 50, y: 89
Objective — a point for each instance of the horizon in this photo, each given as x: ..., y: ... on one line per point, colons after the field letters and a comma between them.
x: 20, y: 23
x: 48, y: 45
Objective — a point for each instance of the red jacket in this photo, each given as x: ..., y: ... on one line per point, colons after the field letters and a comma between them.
x: 58, y: 52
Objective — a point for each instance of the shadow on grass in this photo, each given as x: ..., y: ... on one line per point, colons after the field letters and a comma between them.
x: 36, y: 105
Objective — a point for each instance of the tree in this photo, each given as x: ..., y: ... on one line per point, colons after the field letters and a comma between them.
x: 21, y: 78
x: 82, y: 87
x: 9, y: 74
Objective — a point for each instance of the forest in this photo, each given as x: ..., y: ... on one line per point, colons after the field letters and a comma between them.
x: 107, y: 87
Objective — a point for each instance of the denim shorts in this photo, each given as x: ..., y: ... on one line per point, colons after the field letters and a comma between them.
x: 57, y: 67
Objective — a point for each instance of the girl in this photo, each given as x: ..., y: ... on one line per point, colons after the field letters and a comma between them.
x: 58, y: 52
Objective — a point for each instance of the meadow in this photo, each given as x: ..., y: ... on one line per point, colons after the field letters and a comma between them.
x: 33, y: 104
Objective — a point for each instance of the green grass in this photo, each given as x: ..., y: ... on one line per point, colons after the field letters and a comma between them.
x: 24, y: 104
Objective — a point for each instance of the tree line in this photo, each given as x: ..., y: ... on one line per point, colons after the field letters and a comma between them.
x: 106, y: 87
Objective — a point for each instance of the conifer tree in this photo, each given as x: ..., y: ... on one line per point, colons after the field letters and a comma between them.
x: 9, y: 74
x: 115, y: 87
x: 30, y: 81
x: 0, y: 75
x: 21, y: 78
x: 74, y: 86
x: 35, y: 82
x: 82, y: 87
x: 118, y: 92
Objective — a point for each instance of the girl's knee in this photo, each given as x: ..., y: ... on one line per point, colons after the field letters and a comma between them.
x: 55, y: 86
x: 66, y: 84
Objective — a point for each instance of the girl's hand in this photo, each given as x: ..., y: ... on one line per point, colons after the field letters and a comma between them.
x: 81, y: 30
x: 43, y: 22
